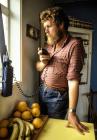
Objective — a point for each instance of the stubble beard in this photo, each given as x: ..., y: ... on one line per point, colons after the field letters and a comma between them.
x: 53, y: 40
x: 50, y: 40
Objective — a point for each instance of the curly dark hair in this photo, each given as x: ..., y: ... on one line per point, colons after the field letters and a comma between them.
x: 56, y: 14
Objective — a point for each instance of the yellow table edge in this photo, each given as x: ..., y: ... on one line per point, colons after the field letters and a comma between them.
x: 55, y: 129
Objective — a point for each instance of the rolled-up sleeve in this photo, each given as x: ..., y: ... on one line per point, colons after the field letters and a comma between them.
x: 76, y: 61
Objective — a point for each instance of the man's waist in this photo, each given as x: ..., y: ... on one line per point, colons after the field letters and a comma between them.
x: 56, y: 88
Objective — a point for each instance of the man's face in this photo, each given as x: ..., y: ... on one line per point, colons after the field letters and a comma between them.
x: 53, y: 32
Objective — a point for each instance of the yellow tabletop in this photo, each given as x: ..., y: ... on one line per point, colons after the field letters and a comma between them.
x: 56, y: 129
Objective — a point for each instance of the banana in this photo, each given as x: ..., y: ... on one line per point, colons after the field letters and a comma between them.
x: 21, y: 128
x: 28, y: 132
x: 15, y: 132
x: 30, y: 125
x: 28, y: 138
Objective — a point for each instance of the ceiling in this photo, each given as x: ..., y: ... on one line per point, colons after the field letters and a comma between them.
x: 68, y: 1
x: 72, y: 1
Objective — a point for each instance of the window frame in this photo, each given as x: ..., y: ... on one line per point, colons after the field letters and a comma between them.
x: 5, y: 11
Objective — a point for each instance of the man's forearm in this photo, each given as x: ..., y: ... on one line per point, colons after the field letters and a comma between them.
x: 73, y: 93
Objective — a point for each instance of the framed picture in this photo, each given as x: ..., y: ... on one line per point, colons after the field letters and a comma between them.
x: 32, y: 32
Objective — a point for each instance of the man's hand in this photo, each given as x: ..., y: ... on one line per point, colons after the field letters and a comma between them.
x: 44, y: 58
x: 73, y: 121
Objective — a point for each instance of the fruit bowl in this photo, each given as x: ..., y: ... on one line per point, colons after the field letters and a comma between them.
x: 38, y: 131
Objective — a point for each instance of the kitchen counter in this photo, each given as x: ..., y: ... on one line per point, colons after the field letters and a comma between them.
x: 56, y: 129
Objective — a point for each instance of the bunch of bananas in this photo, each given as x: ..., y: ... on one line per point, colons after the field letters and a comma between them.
x: 21, y: 129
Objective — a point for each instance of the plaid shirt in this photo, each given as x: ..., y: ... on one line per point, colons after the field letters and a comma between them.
x: 65, y: 64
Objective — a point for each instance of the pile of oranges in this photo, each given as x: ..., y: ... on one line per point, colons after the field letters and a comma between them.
x: 27, y: 113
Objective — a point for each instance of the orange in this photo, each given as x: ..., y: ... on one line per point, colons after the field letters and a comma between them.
x: 35, y: 105
x: 35, y: 112
x: 22, y: 106
x: 17, y: 114
x: 4, y: 123
x: 37, y: 122
x: 3, y: 132
x: 26, y: 115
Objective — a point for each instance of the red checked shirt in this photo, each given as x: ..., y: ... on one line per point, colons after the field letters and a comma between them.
x: 65, y: 64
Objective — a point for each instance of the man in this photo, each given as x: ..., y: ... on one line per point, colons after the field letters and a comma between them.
x: 60, y: 64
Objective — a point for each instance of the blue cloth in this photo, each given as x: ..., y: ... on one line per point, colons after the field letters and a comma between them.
x: 53, y: 103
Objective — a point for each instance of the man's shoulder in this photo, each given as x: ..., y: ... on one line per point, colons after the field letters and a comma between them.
x: 76, y: 43
x: 76, y: 40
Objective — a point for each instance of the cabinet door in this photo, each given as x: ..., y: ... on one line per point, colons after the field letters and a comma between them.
x: 86, y: 35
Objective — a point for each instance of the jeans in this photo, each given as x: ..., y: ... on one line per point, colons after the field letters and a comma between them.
x: 53, y: 103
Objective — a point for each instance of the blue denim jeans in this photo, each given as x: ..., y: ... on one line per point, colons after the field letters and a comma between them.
x: 53, y: 103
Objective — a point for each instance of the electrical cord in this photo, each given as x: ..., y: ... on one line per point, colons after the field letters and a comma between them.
x: 20, y: 89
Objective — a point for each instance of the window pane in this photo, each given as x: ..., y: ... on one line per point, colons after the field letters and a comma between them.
x: 4, y: 2
x: 5, y: 26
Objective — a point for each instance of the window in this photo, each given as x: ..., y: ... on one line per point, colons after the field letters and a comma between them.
x: 5, y: 16
x: 12, y: 15
x: 4, y: 2
x: 5, y: 13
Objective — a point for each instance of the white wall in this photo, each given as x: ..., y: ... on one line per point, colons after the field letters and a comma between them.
x: 30, y: 15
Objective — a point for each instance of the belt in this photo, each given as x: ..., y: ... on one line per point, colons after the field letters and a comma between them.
x: 55, y: 88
